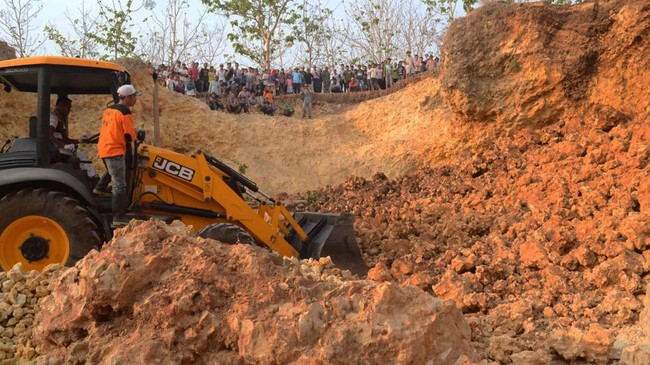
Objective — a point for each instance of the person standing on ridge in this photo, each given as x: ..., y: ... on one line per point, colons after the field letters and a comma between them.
x: 307, y: 101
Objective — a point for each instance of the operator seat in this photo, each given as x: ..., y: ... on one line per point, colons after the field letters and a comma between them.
x: 29, y: 144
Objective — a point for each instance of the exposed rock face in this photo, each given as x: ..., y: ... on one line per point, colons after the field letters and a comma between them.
x: 6, y: 51
x: 155, y: 294
x: 531, y: 65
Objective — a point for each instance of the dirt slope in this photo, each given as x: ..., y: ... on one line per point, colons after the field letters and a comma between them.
x: 282, y: 154
x: 535, y: 65
x: 532, y: 65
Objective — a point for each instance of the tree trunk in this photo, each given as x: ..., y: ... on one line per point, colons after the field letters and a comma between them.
x: 267, y: 53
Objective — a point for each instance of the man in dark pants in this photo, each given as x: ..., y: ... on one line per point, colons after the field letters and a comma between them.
x: 116, y: 123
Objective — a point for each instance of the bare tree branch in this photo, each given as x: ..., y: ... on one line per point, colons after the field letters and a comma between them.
x: 16, y: 24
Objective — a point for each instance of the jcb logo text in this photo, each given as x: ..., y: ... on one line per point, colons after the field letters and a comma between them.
x: 173, y: 168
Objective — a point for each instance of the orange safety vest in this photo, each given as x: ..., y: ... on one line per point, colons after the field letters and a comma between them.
x: 116, y: 122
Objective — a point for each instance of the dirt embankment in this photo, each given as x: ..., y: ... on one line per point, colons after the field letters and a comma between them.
x: 533, y: 65
x: 506, y: 67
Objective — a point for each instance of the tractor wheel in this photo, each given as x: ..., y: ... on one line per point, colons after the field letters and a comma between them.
x: 39, y: 227
x: 226, y: 233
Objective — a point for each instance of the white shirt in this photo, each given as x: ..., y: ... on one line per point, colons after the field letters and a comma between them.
x: 55, y: 119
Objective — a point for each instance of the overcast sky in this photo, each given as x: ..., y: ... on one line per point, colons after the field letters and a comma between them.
x: 54, y: 13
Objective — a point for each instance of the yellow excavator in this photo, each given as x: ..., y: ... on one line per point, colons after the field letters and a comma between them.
x: 49, y: 213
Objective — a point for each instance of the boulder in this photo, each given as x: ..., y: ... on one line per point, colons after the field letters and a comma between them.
x: 156, y: 294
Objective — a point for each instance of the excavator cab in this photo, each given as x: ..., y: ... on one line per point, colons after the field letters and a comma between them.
x: 49, y: 213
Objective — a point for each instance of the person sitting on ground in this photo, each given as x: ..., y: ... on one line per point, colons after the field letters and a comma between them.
x: 267, y: 106
x: 233, y: 103
x: 354, y: 85
x: 336, y: 86
x: 268, y: 94
x: 190, y: 87
x: 287, y: 109
x: 179, y: 86
x: 214, y: 103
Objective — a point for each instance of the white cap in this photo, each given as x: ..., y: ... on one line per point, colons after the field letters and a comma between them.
x: 126, y: 90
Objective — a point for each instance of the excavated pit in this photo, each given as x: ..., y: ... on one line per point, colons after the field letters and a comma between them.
x: 513, y: 183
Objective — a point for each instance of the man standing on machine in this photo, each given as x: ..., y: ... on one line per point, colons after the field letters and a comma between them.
x: 116, y: 123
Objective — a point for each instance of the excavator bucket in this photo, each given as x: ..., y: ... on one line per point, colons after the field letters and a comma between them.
x: 329, y: 234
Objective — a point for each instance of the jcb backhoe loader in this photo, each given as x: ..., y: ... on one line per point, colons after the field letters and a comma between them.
x: 49, y: 213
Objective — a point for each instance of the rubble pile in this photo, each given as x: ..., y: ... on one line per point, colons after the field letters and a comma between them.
x: 19, y: 304
x: 542, y: 237
x: 538, y: 225
x: 155, y: 294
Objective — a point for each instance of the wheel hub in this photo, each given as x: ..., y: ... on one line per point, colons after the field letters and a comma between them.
x: 35, y: 248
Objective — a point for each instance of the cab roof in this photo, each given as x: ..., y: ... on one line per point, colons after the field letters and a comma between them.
x: 67, y: 75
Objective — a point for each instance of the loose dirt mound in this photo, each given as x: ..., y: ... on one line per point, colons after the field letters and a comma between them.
x: 547, y: 231
x: 19, y: 303
x: 154, y: 294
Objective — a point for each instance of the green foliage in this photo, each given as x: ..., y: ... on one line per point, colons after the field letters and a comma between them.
x: 115, y: 28
x: 80, y: 42
x: 311, y: 197
x: 447, y: 8
x: 61, y: 41
x: 513, y: 65
x: 256, y: 25
x: 241, y: 167
x: 310, y: 30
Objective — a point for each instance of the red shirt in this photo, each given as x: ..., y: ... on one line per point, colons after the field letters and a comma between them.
x: 194, y: 73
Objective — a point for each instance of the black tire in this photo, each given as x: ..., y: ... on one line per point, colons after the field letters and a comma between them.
x: 226, y: 233
x: 80, y: 232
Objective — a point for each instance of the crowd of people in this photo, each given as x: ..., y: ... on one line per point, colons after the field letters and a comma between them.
x: 234, y: 89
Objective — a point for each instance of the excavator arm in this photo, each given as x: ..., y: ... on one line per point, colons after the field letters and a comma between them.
x: 201, y: 191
